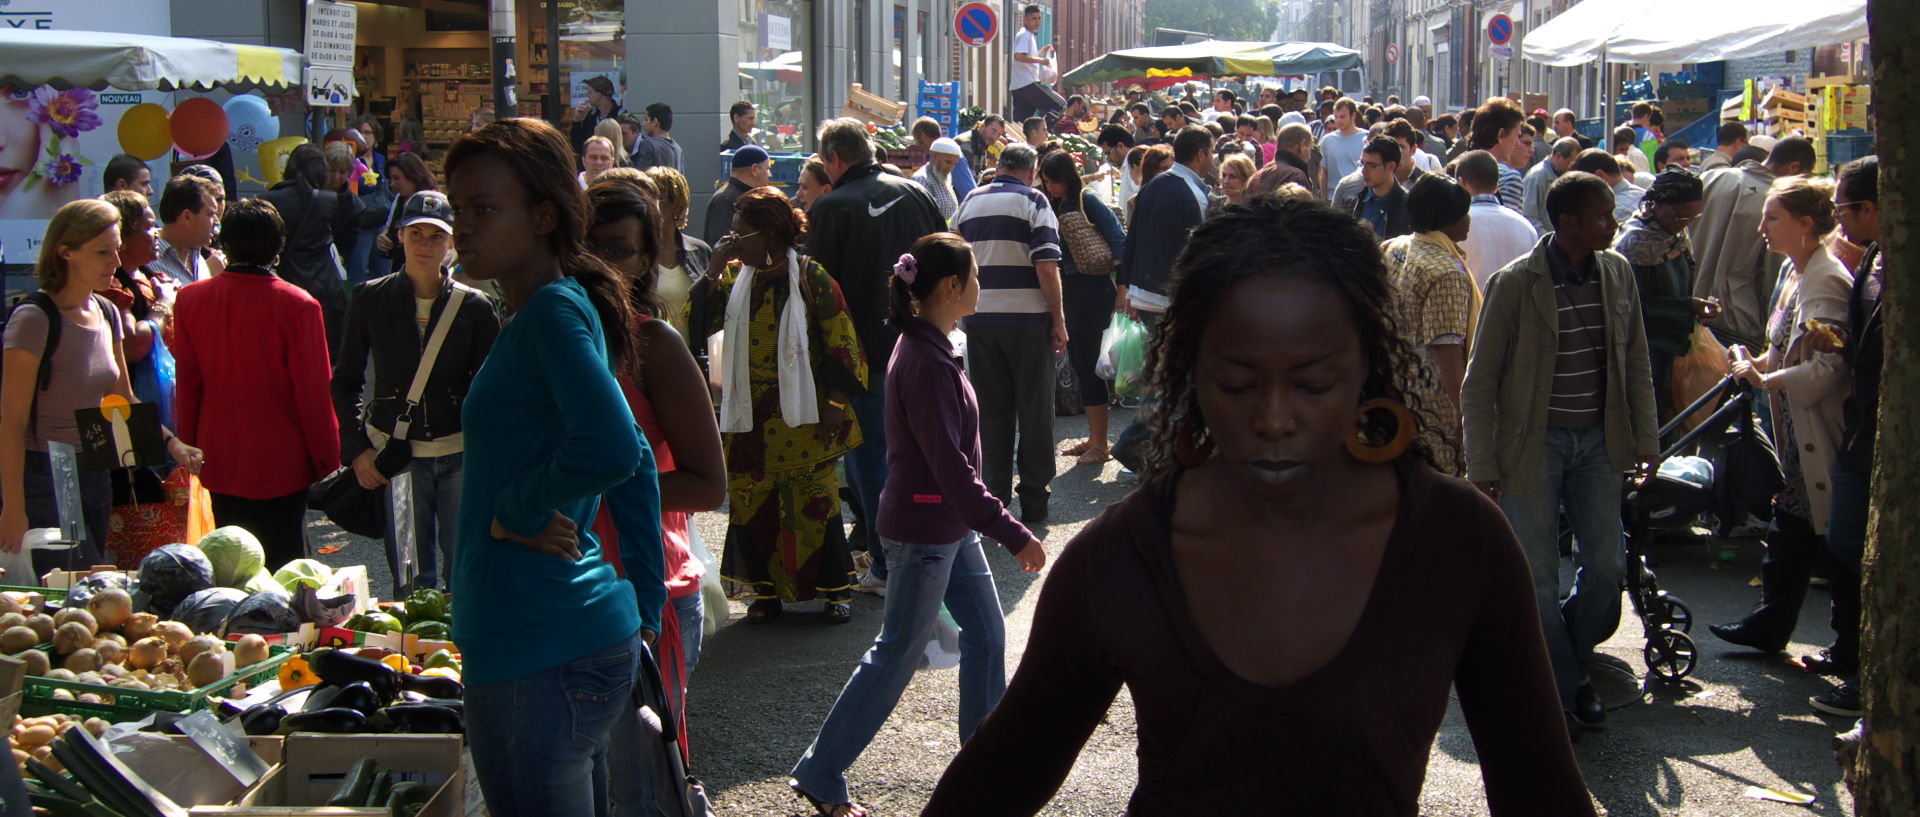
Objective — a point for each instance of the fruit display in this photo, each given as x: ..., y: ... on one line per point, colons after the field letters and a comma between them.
x: 33, y: 737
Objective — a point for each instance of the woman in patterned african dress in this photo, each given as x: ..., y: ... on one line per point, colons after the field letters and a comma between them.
x: 790, y: 360
x: 1436, y: 304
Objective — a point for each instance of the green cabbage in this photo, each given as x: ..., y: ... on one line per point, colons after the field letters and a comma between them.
x: 236, y: 555
x: 308, y: 572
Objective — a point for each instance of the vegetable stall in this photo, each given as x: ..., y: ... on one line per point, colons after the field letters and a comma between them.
x: 202, y: 684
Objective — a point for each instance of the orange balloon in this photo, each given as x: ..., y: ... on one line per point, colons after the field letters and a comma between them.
x: 115, y: 406
x: 144, y: 133
x: 199, y: 126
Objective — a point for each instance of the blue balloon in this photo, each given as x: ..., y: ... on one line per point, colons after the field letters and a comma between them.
x: 249, y: 122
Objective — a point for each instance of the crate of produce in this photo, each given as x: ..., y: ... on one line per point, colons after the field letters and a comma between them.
x: 118, y: 704
x: 315, y: 768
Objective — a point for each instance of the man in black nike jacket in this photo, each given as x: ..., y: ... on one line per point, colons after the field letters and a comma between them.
x: 857, y: 232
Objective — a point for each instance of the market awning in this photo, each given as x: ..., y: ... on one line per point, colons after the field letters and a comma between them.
x: 1636, y: 31
x: 1214, y: 58
x: 138, y: 62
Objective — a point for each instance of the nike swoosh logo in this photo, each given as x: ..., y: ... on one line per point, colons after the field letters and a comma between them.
x: 876, y: 211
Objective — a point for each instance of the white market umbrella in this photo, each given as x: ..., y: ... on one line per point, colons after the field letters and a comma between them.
x: 139, y: 62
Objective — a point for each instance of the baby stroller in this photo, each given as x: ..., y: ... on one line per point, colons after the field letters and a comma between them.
x: 1740, y: 480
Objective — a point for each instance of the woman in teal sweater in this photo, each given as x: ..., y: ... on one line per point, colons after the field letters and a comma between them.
x: 550, y: 635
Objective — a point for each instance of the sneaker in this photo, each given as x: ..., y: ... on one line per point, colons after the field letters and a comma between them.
x: 871, y: 585
x: 1843, y: 700
x: 1826, y: 662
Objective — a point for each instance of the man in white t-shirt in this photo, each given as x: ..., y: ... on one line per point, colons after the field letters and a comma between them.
x: 1031, y: 96
x: 1340, y: 148
x: 1499, y: 236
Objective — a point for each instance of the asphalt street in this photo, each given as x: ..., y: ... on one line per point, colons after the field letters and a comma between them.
x: 1693, y: 749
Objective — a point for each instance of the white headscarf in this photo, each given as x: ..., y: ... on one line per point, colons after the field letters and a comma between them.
x: 799, y: 404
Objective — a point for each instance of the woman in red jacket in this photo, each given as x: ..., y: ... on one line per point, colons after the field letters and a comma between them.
x: 253, y: 385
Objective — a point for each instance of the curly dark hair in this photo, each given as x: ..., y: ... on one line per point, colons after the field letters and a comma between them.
x: 768, y: 210
x: 1270, y: 235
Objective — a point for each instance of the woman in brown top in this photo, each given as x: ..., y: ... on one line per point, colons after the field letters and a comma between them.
x: 1292, y: 593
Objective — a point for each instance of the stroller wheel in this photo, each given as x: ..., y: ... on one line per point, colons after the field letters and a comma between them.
x: 1675, y: 613
x: 1670, y: 655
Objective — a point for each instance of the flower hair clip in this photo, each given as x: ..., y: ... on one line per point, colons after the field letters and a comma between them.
x: 907, y: 268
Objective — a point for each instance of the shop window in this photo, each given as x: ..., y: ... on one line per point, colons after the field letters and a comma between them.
x: 593, y: 44
x: 776, y: 39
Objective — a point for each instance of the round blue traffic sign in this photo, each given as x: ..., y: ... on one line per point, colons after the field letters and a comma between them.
x: 1500, y: 29
x: 976, y: 23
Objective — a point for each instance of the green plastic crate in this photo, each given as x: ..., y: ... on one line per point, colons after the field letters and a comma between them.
x: 134, y: 704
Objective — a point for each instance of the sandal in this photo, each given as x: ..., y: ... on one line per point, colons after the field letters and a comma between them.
x: 763, y: 611
x: 839, y: 612
x: 825, y: 809
x: 1076, y: 449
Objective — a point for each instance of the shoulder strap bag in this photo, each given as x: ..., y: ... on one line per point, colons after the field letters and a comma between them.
x: 339, y: 495
x: 1091, y: 255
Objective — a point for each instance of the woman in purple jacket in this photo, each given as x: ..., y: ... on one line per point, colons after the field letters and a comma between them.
x: 933, y: 504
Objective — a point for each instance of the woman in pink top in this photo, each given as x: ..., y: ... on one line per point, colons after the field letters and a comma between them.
x: 668, y: 396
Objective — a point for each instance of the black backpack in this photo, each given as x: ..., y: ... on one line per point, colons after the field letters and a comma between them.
x: 45, y: 376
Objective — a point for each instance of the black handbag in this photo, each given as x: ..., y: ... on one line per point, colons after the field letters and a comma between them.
x: 339, y: 495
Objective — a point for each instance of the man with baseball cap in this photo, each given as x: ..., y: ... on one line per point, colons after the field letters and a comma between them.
x: 600, y: 105
x: 752, y: 168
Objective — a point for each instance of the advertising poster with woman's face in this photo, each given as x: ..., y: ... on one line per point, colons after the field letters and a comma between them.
x: 55, y: 143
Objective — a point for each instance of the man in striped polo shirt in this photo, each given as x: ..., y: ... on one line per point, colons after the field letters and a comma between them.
x: 1018, y: 328
x: 1558, y: 403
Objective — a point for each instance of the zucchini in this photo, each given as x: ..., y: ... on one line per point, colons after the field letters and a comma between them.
x: 407, y: 799
x: 382, y: 789
x: 356, y: 785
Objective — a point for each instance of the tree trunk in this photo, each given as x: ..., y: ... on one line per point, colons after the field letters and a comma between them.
x: 1888, y: 765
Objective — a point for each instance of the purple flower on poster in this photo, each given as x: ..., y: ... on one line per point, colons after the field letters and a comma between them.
x: 62, y: 170
x: 70, y: 112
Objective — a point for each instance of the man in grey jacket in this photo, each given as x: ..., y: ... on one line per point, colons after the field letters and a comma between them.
x: 1734, y: 264
x: 1558, y: 404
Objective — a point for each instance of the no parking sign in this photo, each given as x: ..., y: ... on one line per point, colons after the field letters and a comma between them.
x: 976, y: 23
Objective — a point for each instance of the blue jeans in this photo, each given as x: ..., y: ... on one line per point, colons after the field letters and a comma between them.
x: 1847, y: 539
x: 867, y: 464
x: 540, y: 742
x: 436, y: 507
x: 1575, y: 474
x: 922, y: 577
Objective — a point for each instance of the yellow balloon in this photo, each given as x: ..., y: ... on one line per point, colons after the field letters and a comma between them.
x: 273, y: 157
x: 144, y: 132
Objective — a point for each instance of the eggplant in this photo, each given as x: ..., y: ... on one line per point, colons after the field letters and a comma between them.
x: 334, y: 720
x: 458, y: 707
x: 432, y: 686
x: 340, y: 667
x: 425, y: 719
x: 321, y: 697
x: 264, y: 719
x: 360, y: 697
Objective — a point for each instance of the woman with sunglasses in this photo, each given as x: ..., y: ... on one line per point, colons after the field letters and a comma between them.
x: 1655, y: 242
x: 792, y: 362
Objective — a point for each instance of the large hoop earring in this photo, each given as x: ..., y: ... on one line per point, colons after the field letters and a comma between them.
x: 1371, y: 454
x: 1188, y: 455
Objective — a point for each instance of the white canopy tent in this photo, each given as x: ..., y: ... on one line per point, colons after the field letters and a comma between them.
x: 1639, y: 31
x: 139, y: 62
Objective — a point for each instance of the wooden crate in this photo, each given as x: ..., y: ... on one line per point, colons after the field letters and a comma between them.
x: 313, y: 766
x: 870, y: 107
